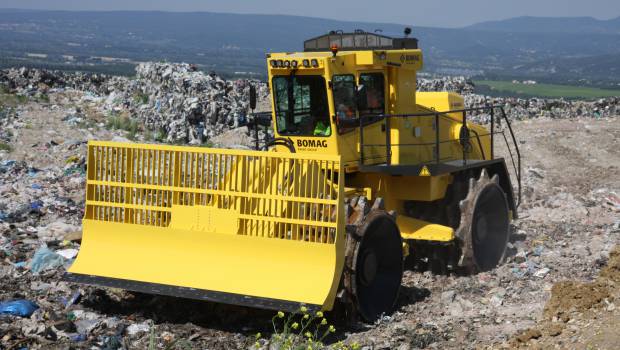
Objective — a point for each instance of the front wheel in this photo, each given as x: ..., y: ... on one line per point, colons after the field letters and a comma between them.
x: 374, y: 260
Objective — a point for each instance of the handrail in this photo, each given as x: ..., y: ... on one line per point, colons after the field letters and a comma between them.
x: 514, y: 141
x: 437, y: 142
x: 479, y: 144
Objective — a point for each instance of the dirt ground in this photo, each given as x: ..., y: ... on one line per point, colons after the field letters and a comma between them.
x: 569, y: 221
x: 559, y: 286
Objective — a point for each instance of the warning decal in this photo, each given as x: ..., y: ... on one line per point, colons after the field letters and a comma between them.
x: 424, y: 171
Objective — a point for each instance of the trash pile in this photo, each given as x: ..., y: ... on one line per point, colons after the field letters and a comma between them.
x: 32, y: 81
x: 457, y: 84
x: 175, y: 101
x: 185, y: 104
x: 525, y: 108
x: 7, y: 117
x: 531, y: 108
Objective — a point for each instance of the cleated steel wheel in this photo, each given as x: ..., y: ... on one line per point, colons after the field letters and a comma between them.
x: 484, y: 227
x: 374, y: 260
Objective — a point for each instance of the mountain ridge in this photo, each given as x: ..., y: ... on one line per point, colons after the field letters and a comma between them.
x: 237, y: 43
x: 582, y: 24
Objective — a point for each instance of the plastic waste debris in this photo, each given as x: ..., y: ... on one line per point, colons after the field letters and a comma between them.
x: 69, y: 253
x: 21, y: 307
x: 136, y: 328
x: 45, y: 259
x: 36, y: 205
x: 113, y: 343
x: 74, y: 299
x: 78, y: 337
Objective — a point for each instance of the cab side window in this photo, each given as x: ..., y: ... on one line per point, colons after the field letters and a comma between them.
x: 344, y: 87
x: 375, y: 93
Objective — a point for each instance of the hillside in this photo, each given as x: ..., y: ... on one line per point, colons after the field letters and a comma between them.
x: 235, y: 44
x: 528, y: 24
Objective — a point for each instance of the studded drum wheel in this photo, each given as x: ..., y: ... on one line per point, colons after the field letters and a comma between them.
x: 484, y: 228
x: 374, y: 260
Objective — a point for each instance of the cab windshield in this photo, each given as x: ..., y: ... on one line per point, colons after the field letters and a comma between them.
x: 301, y: 105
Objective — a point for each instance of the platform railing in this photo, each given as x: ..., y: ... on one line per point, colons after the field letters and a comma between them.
x: 464, y: 137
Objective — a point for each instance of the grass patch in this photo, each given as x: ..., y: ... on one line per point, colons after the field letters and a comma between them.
x: 156, y: 135
x: 43, y: 98
x: 12, y: 100
x: 208, y: 144
x: 5, y: 147
x: 141, y: 98
x: 507, y: 88
x: 300, y: 331
x: 123, y: 123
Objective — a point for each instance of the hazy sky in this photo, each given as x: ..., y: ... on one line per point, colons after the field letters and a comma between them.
x: 442, y: 13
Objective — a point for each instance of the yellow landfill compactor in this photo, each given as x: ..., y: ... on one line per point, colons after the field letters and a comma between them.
x: 364, y: 177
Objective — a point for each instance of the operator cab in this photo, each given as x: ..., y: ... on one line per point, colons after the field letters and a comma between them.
x: 319, y: 96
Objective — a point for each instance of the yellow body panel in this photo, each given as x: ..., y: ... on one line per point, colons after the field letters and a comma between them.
x: 241, y: 222
x: 216, y: 261
x: 415, y: 229
x: 452, y: 122
x: 396, y: 189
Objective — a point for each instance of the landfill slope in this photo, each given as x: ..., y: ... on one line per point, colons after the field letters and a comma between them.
x: 558, y: 283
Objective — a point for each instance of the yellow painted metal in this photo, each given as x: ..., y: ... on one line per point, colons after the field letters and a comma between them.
x: 261, y: 224
x: 451, y: 123
x: 441, y: 101
x: 415, y: 229
x: 401, y: 188
x: 399, y: 68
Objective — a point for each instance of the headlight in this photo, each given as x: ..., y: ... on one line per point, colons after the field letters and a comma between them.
x: 315, y: 63
x: 306, y: 63
x: 287, y: 64
x: 294, y: 64
x: 279, y: 63
x: 273, y: 63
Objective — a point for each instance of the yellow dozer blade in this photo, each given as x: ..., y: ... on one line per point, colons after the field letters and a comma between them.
x: 262, y: 229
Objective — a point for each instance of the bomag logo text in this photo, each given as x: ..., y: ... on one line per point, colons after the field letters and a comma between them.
x: 312, y: 143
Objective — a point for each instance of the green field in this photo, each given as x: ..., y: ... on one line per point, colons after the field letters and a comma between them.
x: 542, y: 90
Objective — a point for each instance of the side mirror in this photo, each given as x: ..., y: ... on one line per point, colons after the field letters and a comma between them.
x: 252, y: 97
x: 361, y: 98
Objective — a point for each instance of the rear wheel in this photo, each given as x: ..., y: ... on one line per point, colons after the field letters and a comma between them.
x: 484, y: 228
x: 477, y: 209
x: 374, y: 260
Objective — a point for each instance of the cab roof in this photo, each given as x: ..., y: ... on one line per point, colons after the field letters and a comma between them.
x: 358, y: 41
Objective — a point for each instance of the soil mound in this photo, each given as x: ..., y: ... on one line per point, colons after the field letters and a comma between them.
x: 571, y: 296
